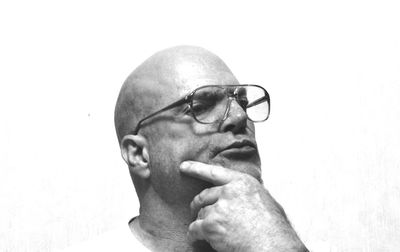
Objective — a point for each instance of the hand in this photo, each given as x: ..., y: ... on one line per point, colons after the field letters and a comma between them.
x: 238, y: 214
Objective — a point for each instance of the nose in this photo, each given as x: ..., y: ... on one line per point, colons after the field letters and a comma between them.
x: 235, y: 119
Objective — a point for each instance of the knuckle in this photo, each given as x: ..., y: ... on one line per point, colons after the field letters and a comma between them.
x: 209, y: 228
x: 203, y: 212
x: 213, y: 172
x: 217, y: 172
x: 192, y: 227
x: 200, y: 215
x: 213, y: 224
x: 199, y: 199
x: 210, y: 224
x: 203, y: 194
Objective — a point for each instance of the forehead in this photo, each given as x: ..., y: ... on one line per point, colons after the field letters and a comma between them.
x: 189, y: 76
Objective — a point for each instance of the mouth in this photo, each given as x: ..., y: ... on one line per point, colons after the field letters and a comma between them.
x: 239, y: 149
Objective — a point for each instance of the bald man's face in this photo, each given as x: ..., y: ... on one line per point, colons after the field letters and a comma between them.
x: 174, y: 137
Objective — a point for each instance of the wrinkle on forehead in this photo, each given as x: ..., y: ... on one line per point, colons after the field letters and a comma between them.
x: 165, y: 77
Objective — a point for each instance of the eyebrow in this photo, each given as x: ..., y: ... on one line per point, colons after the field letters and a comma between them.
x: 211, y: 93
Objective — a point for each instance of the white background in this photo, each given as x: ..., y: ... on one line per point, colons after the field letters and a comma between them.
x: 330, y: 150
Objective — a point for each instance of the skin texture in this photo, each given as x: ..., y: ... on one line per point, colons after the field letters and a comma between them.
x: 217, y: 202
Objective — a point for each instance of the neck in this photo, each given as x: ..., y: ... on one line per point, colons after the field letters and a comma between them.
x: 163, y: 227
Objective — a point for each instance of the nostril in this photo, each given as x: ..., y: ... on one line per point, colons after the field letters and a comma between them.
x: 229, y: 127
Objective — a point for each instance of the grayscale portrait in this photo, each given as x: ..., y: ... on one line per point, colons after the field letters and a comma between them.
x: 199, y: 126
x: 185, y: 125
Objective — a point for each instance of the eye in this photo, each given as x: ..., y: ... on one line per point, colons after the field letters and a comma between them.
x: 196, y: 108
x: 199, y: 107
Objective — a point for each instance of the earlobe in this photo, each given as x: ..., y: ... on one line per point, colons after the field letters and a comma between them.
x: 134, y: 152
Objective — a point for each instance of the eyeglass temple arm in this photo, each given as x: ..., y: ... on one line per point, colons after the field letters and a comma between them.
x: 175, y: 104
x: 258, y: 101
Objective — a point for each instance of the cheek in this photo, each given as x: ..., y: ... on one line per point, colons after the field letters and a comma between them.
x: 166, y: 155
x: 180, y: 141
x: 172, y: 143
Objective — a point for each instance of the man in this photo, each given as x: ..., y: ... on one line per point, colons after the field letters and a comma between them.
x: 186, y: 130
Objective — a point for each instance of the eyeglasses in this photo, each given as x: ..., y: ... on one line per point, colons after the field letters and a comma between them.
x: 211, y: 104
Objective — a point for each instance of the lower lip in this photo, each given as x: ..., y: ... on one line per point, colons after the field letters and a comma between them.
x: 244, y: 151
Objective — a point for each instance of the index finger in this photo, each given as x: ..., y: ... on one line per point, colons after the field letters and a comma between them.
x: 216, y: 175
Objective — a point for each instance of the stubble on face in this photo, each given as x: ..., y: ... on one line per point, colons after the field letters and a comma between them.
x: 177, y: 142
x: 174, y: 137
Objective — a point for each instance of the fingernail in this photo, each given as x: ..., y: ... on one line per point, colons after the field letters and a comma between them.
x: 185, y: 165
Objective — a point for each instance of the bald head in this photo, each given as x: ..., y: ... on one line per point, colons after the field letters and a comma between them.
x: 165, y: 76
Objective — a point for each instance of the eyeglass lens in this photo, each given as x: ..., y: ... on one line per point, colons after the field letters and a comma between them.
x: 209, y: 103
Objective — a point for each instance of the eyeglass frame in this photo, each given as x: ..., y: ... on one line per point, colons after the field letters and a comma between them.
x: 188, y: 99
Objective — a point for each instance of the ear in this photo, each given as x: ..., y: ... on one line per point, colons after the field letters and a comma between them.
x: 134, y: 152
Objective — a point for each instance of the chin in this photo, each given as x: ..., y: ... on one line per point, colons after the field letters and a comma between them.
x: 251, y: 166
x: 250, y: 169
